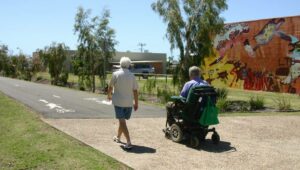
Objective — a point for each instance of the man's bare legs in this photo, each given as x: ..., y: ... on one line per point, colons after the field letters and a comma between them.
x: 120, y: 131
x: 123, y: 129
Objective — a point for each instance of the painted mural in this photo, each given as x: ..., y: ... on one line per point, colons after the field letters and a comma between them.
x: 257, y: 55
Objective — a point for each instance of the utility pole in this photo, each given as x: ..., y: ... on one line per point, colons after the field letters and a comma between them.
x: 141, y: 46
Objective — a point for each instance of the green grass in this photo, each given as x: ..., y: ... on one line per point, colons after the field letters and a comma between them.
x: 266, y: 113
x: 45, y: 75
x: 28, y: 143
x: 269, y: 97
x: 73, y: 79
x: 161, y: 82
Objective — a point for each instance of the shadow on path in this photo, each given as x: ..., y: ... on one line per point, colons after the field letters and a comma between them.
x: 139, y: 149
x: 221, y: 147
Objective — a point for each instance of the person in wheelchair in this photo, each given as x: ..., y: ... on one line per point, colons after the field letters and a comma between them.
x: 190, y: 114
x: 195, y: 80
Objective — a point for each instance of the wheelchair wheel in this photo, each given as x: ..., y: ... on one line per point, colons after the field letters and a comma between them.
x: 176, y: 133
x: 194, y: 142
x: 215, y: 138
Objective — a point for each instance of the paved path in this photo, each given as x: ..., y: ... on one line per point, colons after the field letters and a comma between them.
x: 58, y: 102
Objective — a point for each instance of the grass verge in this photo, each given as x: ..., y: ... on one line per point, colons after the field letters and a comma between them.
x: 28, y: 143
x: 269, y: 97
x: 260, y: 113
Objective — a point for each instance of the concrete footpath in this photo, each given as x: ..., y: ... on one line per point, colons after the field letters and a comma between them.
x: 246, y: 143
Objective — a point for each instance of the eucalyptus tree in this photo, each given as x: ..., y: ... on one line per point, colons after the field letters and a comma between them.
x: 3, y: 59
x: 105, y: 37
x: 7, y: 62
x: 15, y: 65
x: 55, y: 56
x: 86, y: 52
x: 96, y: 45
x: 191, y: 27
x: 24, y: 66
x: 36, y: 64
x: 21, y: 63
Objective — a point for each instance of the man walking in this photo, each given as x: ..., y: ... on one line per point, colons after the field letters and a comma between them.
x: 125, y: 90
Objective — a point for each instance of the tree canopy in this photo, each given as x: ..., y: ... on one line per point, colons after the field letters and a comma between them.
x: 96, y: 46
x: 55, y: 56
x: 191, y: 27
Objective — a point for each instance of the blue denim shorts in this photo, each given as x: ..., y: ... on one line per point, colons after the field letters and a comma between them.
x: 123, y: 112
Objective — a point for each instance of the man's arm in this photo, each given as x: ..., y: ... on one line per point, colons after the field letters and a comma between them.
x: 185, y: 90
x: 109, y: 93
x: 110, y: 87
x: 136, y: 100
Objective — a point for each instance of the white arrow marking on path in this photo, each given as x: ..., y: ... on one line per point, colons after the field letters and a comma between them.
x: 58, y: 108
x: 98, y: 101
x: 106, y: 102
x: 44, y: 101
x: 53, y: 105
x: 91, y: 99
x: 56, y: 96
x: 64, y: 110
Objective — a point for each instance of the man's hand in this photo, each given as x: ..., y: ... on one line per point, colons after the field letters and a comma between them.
x: 109, y: 97
x: 135, y: 107
x: 136, y: 100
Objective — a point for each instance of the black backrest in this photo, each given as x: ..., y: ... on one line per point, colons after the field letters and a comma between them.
x: 197, y: 99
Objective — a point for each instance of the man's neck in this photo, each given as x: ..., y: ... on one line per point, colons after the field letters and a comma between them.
x: 195, y: 78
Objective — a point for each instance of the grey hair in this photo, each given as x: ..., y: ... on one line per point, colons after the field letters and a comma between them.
x: 125, y: 62
x: 194, y: 71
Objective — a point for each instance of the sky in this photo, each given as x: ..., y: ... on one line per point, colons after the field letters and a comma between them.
x: 27, y: 25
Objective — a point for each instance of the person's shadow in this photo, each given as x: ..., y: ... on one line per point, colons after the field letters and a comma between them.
x: 139, y: 149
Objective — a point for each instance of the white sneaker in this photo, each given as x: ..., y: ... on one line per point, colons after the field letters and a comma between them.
x: 116, y: 139
x: 128, y: 146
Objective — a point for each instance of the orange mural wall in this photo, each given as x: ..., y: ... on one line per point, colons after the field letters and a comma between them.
x: 257, y: 55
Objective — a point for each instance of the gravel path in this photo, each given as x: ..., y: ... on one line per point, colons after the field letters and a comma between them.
x: 267, y: 142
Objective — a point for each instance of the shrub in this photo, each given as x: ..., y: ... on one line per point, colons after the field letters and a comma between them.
x: 232, y: 106
x: 222, y: 93
x: 283, y: 103
x: 238, y: 105
x: 164, y: 95
x: 222, y: 104
x: 141, y: 97
x: 149, y: 85
x: 64, y: 78
x: 88, y: 83
x: 39, y: 78
x: 256, y: 103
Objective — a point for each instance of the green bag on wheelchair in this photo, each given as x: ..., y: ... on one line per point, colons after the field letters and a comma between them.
x: 210, y: 114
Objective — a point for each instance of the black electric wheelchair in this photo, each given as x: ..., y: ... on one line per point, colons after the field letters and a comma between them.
x: 188, y: 119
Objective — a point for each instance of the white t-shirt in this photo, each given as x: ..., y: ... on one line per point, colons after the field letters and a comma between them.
x: 124, y: 83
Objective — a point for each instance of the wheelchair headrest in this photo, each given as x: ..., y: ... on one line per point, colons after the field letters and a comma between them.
x: 200, y: 91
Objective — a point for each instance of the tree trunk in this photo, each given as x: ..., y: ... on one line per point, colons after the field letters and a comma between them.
x: 93, y: 79
x: 104, y: 72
